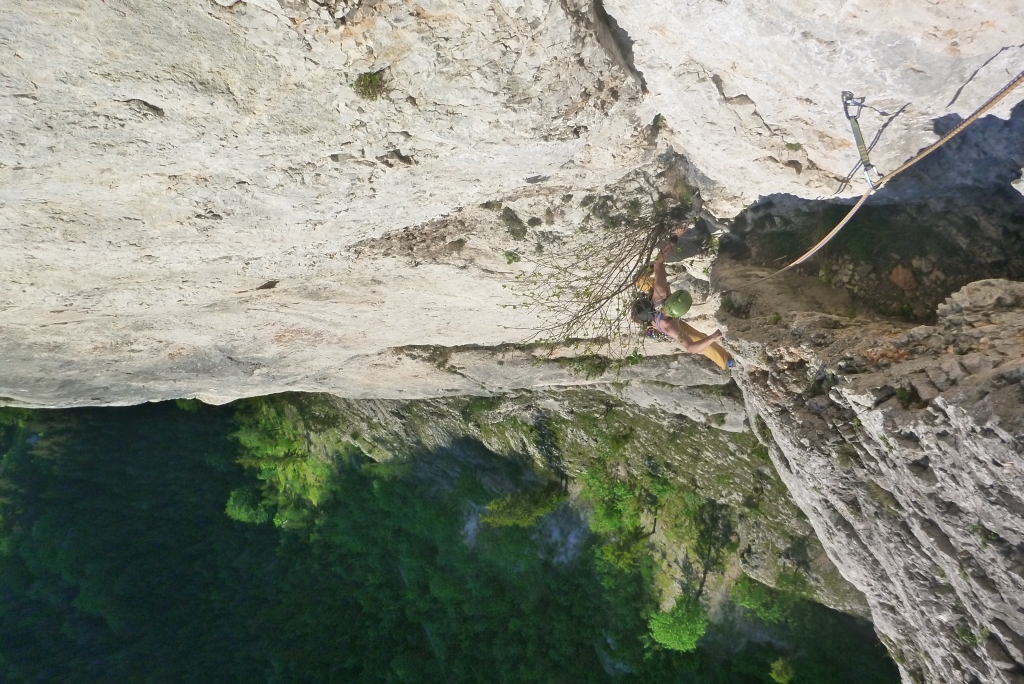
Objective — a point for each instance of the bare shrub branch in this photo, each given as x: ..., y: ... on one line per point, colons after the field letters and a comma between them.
x: 583, y: 287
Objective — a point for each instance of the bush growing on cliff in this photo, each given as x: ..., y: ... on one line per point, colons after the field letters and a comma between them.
x: 189, y: 405
x: 515, y: 225
x: 295, y: 481
x: 590, y: 366
x: 246, y: 504
x: 768, y: 606
x: 583, y: 287
x: 617, y: 496
x: 782, y: 671
x: 370, y: 85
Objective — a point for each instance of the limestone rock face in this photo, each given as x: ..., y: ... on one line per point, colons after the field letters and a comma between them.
x: 905, y: 447
x: 223, y: 198
x: 182, y: 184
x: 163, y: 161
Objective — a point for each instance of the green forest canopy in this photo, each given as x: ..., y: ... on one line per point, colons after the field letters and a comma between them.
x: 155, y: 544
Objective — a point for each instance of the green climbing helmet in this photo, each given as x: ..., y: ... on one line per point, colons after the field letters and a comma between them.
x: 677, y: 304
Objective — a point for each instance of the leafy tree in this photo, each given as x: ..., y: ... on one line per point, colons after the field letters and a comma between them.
x: 682, y: 627
x: 782, y: 671
x: 525, y: 508
x: 272, y: 435
x: 767, y: 606
x: 246, y: 505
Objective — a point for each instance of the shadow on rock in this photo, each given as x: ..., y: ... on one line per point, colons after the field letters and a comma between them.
x: 952, y: 218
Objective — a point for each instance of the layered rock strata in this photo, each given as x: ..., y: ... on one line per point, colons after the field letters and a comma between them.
x: 905, y: 447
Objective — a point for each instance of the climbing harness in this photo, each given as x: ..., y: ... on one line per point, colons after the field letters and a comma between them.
x: 978, y: 113
x: 852, y: 107
x: 653, y: 332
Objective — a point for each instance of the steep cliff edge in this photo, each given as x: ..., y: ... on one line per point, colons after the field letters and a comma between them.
x: 904, y: 447
x: 182, y: 181
x: 565, y: 432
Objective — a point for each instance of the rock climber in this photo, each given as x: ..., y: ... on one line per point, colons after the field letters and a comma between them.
x: 662, y: 308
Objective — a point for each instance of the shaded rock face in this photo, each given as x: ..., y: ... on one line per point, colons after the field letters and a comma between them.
x: 561, y: 432
x: 954, y: 218
x: 905, y: 447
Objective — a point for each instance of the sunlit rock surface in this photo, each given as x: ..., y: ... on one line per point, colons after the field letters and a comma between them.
x: 162, y: 161
x: 751, y: 88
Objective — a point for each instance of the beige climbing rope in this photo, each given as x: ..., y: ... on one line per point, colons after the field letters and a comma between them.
x: 992, y: 102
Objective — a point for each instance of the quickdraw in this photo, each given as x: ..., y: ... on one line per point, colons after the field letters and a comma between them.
x: 852, y: 107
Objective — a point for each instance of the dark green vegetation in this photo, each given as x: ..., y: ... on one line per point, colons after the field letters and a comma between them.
x: 658, y: 123
x: 524, y: 508
x: 515, y: 225
x: 588, y: 365
x: 371, y: 85
x: 187, y: 543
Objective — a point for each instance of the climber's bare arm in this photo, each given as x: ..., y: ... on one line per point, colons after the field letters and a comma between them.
x: 661, y: 289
